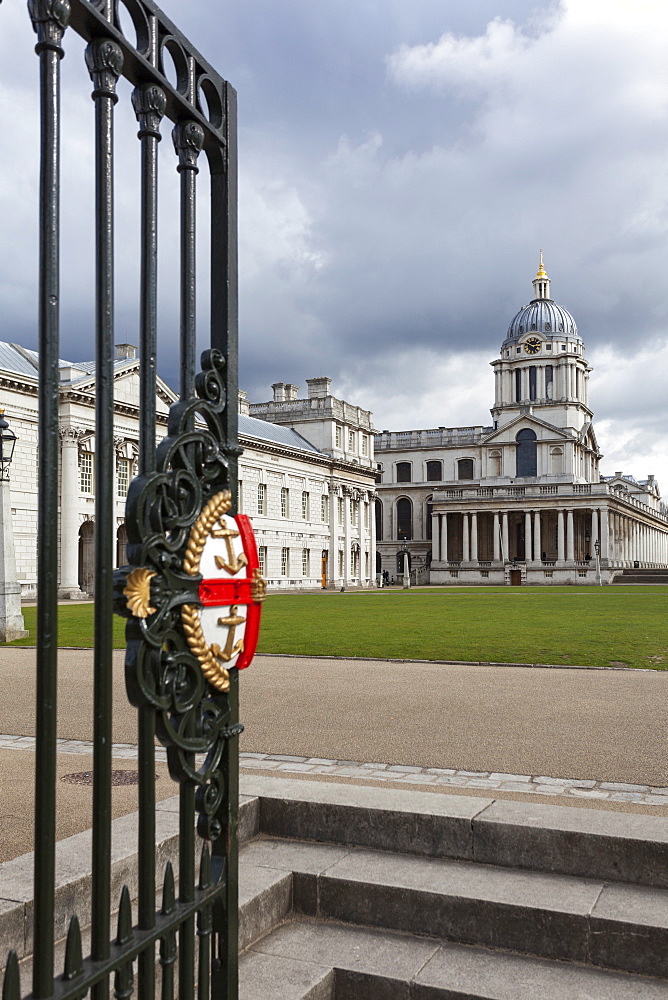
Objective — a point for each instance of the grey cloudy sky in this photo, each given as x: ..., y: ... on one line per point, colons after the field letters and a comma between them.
x: 401, y: 162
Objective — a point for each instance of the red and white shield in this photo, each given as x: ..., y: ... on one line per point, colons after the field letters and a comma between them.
x: 223, y: 629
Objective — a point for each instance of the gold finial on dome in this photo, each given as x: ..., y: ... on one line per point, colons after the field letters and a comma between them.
x: 542, y: 273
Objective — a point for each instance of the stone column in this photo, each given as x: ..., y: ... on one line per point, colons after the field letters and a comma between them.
x: 333, y: 561
x: 560, y: 536
x: 540, y: 382
x: 466, y: 555
x: 372, y: 539
x: 537, y: 551
x: 435, y: 547
x: 474, y: 537
x: 527, y: 536
x: 347, y: 538
x: 605, y: 535
x: 570, y: 537
x: 594, y: 532
x: 69, y: 514
x: 444, y: 538
x: 12, y: 625
x: 497, y: 540
x: 505, y: 555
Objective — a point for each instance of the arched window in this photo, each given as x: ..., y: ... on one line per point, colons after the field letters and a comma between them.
x: 494, y: 463
x: 434, y: 472
x: 465, y: 468
x: 404, y: 519
x: 379, y: 520
x: 556, y: 459
x: 526, y: 453
x: 403, y: 472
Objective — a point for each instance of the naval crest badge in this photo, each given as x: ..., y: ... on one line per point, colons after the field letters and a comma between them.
x: 222, y: 629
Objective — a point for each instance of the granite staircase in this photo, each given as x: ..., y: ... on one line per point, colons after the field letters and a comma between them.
x: 363, y: 893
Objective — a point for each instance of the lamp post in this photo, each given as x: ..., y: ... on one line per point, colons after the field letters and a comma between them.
x: 11, y: 620
x: 597, y: 551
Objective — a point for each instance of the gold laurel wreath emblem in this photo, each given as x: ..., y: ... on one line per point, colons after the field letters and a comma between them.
x: 213, y: 670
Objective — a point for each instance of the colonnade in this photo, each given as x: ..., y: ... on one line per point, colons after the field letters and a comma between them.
x: 623, y: 540
x: 564, y: 383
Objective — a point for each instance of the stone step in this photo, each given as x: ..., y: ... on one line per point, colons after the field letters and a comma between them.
x: 607, y: 924
x: 367, y: 964
x: 563, y: 840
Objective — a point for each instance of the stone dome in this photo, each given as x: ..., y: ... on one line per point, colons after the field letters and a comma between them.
x: 543, y: 316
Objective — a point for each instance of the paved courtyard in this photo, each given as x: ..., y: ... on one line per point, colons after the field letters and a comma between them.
x: 594, y: 738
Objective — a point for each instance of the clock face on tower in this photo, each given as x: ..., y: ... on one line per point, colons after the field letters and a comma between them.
x: 532, y: 345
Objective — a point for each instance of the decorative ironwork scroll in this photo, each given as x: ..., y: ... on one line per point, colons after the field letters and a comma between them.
x: 169, y: 665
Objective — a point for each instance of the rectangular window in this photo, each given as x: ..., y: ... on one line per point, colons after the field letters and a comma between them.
x: 285, y: 502
x: 305, y: 505
x: 324, y: 507
x: 261, y: 498
x: 262, y: 559
x: 365, y: 445
x: 340, y: 510
x: 86, y: 472
x: 366, y: 515
x: 549, y: 382
x: 351, y: 440
x: 518, y: 385
x: 339, y: 436
x: 532, y: 382
x: 285, y: 562
x: 123, y: 476
x: 340, y: 563
x: 355, y: 512
x: 306, y: 562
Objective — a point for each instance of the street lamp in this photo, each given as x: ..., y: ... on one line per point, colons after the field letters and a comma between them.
x: 597, y: 550
x: 7, y: 445
x: 11, y: 620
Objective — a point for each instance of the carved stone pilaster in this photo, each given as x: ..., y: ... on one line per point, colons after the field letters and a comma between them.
x: 104, y: 59
x: 188, y: 138
x: 149, y: 102
x: 49, y: 19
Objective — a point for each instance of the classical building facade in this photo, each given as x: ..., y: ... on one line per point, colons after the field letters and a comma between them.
x: 521, y: 500
x: 310, y: 507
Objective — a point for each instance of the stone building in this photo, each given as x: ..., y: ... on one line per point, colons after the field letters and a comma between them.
x: 520, y: 500
x: 310, y: 506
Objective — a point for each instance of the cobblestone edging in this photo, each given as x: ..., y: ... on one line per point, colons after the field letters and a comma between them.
x: 584, y: 788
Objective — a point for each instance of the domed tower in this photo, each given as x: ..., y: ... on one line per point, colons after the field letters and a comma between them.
x: 542, y: 368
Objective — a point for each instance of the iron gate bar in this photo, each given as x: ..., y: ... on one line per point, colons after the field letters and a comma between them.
x: 149, y: 103
x: 104, y: 60
x: 50, y: 24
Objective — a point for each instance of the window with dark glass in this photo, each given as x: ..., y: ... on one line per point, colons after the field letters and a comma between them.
x: 403, y: 472
x: 526, y: 453
x: 465, y: 468
x: 549, y: 381
x: 379, y: 520
x: 518, y: 385
x: 404, y: 519
x: 428, y: 511
x: 532, y: 382
x: 434, y: 472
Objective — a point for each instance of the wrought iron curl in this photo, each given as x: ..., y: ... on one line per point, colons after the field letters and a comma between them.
x: 192, y: 717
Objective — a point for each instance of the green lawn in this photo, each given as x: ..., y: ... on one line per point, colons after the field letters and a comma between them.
x: 596, y: 626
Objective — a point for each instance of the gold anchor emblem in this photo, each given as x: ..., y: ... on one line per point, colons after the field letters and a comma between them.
x: 231, y: 647
x: 234, y: 563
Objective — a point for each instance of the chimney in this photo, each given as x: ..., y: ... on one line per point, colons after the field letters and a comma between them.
x: 318, y: 388
x: 619, y: 475
x: 291, y: 391
x: 125, y: 352
x: 244, y: 405
x: 279, y: 392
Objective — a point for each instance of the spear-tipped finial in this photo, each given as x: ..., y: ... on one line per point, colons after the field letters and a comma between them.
x: 542, y: 273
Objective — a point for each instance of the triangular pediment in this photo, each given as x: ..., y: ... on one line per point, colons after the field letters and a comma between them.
x: 541, y: 428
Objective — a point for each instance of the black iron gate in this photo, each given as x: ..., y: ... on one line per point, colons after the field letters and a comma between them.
x: 195, y: 931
